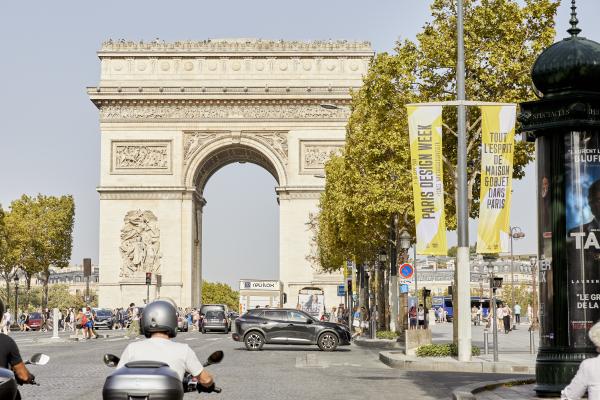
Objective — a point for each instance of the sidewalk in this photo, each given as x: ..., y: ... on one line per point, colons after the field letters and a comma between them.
x: 513, y: 354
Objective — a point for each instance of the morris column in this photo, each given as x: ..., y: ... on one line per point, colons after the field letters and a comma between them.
x: 565, y: 124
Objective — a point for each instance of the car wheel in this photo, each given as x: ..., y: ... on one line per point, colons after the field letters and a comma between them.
x: 254, y: 341
x: 328, y: 341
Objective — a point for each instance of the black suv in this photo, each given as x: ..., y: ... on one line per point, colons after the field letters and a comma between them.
x: 288, y: 326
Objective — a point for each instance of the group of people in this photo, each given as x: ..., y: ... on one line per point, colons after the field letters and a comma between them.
x: 417, y: 317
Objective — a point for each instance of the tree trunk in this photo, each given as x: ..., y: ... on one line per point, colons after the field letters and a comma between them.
x: 27, y: 290
x: 45, y: 291
x: 386, y: 298
x: 7, y: 292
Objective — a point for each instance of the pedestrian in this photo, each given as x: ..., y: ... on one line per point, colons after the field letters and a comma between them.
x: 356, y: 322
x: 587, y: 378
x: 134, y: 324
x: 364, y: 323
x: 412, y: 317
x: 474, y: 314
x: 80, y: 324
x: 506, y: 316
x: 61, y: 322
x: 26, y: 326
x: 333, y: 317
x: 443, y: 314
x: 421, y: 316
x: 6, y: 320
x: 517, y: 314
x: 500, y: 317
x: 91, y: 318
x: 22, y: 320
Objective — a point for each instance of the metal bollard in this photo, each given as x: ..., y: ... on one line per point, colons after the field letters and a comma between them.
x: 55, y: 324
x: 486, y: 341
x: 531, y: 342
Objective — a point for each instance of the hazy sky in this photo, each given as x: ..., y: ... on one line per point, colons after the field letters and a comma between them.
x: 50, y: 132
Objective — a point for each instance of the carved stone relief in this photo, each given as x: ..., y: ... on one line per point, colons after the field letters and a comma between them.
x: 141, y: 157
x: 140, y: 244
x: 314, y: 154
x: 276, y: 140
x: 153, y: 112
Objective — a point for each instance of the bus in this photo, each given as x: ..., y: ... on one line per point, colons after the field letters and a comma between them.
x: 445, y: 302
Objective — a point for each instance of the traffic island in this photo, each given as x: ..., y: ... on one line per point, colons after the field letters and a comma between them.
x: 379, y: 343
x: 399, y: 360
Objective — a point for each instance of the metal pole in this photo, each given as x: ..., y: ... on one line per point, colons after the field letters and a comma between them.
x: 16, y: 303
x: 495, y: 321
x: 147, y: 294
x: 462, y: 268
x: 486, y: 342
x: 394, y: 278
x: 415, y: 270
x: 512, y: 275
x: 87, y: 290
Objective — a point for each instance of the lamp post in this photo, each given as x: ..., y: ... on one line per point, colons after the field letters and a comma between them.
x: 16, y: 279
x: 404, y: 242
x: 515, y: 233
x: 490, y: 267
x: 381, y: 311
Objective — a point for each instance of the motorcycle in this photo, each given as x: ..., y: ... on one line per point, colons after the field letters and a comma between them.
x: 154, y: 380
x: 8, y: 382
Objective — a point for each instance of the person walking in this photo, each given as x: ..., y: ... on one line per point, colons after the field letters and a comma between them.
x: 517, y: 311
x: 506, y: 316
x: 333, y: 317
x: 134, y: 324
x: 421, y: 316
x: 412, y: 317
x: 500, y: 317
x: 80, y: 324
x: 6, y: 321
x: 587, y: 378
x: 356, y: 324
x: 91, y: 318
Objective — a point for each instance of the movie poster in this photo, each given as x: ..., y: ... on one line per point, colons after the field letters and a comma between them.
x: 312, y: 304
x: 544, y: 276
x: 582, y: 186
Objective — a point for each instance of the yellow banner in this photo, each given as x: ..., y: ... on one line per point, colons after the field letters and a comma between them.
x: 497, y: 149
x: 425, y: 128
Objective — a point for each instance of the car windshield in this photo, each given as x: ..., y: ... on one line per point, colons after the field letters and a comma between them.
x: 103, y: 313
x: 215, y: 314
x: 35, y: 315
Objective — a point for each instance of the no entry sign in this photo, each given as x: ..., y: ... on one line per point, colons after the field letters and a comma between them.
x: 406, y: 271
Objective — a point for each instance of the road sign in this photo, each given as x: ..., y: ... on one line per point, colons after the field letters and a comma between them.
x: 405, y: 281
x: 403, y: 288
x: 341, y: 290
x: 406, y: 271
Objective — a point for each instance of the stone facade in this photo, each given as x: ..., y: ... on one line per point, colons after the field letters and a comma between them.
x: 172, y: 114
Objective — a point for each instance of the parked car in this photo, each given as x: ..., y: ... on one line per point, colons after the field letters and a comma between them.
x: 214, y: 320
x: 232, y: 315
x: 104, y: 318
x: 288, y: 326
x: 220, y: 307
x: 182, y: 324
x: 35, y: 320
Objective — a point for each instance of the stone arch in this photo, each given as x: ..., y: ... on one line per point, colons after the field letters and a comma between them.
x: 223, y: 151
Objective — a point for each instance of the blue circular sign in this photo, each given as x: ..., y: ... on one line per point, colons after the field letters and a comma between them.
x: 406, y: 271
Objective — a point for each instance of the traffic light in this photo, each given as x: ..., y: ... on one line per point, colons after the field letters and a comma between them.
x: 349, y: 285
x: 148, y: 278
x: 426, y: 293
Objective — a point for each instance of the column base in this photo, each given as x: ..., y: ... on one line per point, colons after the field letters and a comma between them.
x: 555, y: 368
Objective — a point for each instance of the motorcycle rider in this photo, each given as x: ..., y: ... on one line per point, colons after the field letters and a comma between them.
x: 10, y: 358
x: 159, y: 325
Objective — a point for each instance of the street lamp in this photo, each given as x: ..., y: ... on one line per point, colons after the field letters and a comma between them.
x: 515, y: 233
x: 493, y: 314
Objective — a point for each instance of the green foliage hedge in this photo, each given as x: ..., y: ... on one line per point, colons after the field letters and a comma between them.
x: 386, y: 335
x: 442, y: 350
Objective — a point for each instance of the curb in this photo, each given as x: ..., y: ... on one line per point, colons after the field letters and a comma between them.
x: 468, y: 392
x: 378, y: 343
x: 390, y: 359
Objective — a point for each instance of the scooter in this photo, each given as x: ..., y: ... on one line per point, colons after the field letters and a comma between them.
x: 145, y: 380
x: 8, y: 382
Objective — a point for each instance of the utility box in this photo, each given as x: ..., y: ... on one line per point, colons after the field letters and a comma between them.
x: 255, y: 293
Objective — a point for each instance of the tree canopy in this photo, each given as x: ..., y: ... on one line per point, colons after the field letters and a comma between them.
x: 220, y: 293
x: 368, y: 188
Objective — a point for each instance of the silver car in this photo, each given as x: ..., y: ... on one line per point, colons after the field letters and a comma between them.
x: 182, y: 324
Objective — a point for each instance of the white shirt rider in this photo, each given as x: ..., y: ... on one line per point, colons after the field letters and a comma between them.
x: 179, y: 356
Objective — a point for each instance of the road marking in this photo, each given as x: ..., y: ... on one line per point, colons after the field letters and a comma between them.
x: 192, y: 338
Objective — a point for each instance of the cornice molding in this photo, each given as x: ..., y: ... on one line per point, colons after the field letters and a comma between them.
x: 148, y: 193
x: 179, y: 91
x: 235, y: 45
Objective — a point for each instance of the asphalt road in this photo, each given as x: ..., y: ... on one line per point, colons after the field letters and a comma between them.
x: 76, y: 371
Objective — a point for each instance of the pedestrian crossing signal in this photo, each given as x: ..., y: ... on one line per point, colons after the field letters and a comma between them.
x: 148, y: 278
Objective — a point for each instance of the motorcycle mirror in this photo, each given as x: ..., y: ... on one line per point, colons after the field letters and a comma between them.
x: 39, y: 359
x: 110, y: 360
x: 215, y: 358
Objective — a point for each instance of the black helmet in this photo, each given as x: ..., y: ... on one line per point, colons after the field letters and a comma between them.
x: 159, y: 316
x: 1, y: 308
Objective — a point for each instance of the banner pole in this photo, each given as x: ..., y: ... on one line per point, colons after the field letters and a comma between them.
x: 462, y: 265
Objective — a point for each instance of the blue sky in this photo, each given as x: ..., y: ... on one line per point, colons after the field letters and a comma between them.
x: 49, y: 128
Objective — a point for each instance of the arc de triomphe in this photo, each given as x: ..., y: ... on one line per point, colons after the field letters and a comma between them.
x: 172, y: 114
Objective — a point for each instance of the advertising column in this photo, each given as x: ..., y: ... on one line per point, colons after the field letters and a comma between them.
x: 582, y: 172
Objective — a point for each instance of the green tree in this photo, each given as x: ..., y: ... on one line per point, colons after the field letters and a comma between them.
x: 220, y: 293
x: 41, y: 232
x: 368, y: 188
